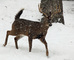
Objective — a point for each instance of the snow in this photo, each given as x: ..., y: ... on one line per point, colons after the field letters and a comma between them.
x: 60, y: 38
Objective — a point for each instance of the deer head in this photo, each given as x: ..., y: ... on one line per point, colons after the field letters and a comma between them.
x: 45, y: 15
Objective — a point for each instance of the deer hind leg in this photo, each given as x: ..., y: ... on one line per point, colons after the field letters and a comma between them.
x: 16, y: 39
x: 8, y: 33
x: 30, y: 43
x: 45, y: 43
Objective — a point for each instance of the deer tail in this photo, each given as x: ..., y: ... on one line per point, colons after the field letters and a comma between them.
x: 17, y: 16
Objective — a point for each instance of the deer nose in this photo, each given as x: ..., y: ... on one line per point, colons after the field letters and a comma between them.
x: 50, y: 24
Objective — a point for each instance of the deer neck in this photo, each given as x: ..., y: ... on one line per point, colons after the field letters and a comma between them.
x: 45, y: 22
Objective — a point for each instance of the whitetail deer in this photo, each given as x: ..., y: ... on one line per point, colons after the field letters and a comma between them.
x: 34, y: 30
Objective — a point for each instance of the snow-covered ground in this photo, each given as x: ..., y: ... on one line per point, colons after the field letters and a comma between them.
x: 60, y: 38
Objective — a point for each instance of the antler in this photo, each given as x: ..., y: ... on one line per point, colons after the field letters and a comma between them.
x: 58, y: 10
x: 40, y: 10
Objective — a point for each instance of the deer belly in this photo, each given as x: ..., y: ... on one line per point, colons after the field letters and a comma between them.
x: 39, y: 36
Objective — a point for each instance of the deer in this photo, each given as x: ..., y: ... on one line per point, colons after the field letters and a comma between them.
x: 31, y: 29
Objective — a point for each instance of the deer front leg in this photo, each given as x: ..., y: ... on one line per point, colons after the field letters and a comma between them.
x: 16, y: 40
x: 30, y: 43
x: 45, y: 43
x: 8, y: 33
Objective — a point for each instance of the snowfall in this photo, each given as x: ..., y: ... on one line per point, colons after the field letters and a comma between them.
x: 60, y: 38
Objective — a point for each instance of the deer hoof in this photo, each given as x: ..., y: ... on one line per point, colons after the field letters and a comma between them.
x: 47, y: 53
x: 17, y: 48
x: 4, y: 45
